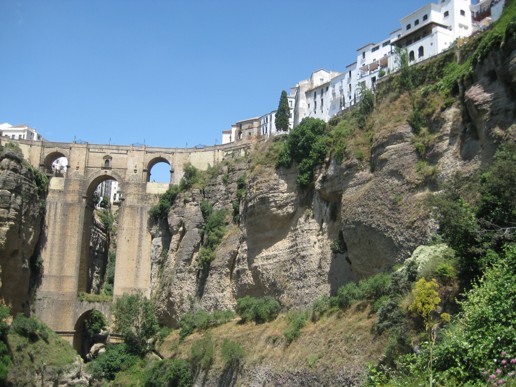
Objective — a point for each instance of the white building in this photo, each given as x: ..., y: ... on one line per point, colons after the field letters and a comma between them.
x: 313, y: 97
x: 245, y: 130
x: 424, y: 33
x: 268, y: 121
x: 432, y: 29
x: 19, y: 132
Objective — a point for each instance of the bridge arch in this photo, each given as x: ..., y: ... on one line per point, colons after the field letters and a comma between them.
x: 154, y: 162
x: 49, y: 160
x: 96, y: 255
x: 82, y: 339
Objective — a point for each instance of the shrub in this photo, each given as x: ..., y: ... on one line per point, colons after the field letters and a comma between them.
x: 94, y: 323
x: 389, y: 316
x: 170, y: 372
x: 5, y: 359
x: 160, y: 211
x: 30, y: 328
x: 297, y: 320
x: 320, y: 307
x: 135, y: 319
x: 191, y: 177
x: 259, y: 310
x: 377, y: 304
x: 306, y: 145
x: 232, y: 353
x: 201, y: 352
x: 347, y: 294
x: 202, y: 320
x: 375, y: 286
x: 116, y: 358
x: 213, y: 232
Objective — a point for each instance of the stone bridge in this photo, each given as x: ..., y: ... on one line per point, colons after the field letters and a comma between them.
x: 67, y: 229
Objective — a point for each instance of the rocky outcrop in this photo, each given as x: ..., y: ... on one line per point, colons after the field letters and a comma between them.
x: 20, y: 227
x: 358, y: 219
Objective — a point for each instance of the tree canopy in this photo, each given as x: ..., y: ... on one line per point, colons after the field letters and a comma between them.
x: 283, y: 113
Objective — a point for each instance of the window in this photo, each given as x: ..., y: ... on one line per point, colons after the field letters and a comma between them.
x: 315, y: 94
x: 315, y: 106
x: 375, y: 48
x: 416, y: 22
x: 408, y: 26
x: 425, y: 17
x: 446, y: 14
x: 462, y: 12
x: 322, y: 103
x: 106, y: 163
x: 386, y: 43
x: 349, y: 74
x: 411, y: 56
x: 363, y: 54
x: 420, y: 52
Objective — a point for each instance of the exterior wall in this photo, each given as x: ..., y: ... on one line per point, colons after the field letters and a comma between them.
x: 21, y: 132
x: 67, y: 235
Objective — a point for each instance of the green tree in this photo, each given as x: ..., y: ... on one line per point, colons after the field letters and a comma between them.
x: 136, y: 321
x: 283, y: 113
x: 306, y: 145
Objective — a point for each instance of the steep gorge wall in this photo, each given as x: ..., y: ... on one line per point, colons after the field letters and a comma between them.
x: 20, y: 229
x: 282, y: 246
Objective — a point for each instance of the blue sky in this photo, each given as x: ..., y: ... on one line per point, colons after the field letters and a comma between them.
x: 170, y: 73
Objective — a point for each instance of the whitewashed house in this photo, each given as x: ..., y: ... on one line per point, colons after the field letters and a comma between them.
x: 19, y: 132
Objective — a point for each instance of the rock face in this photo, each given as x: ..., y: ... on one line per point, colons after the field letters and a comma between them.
x: 284, y: 243
x: 20, y: 227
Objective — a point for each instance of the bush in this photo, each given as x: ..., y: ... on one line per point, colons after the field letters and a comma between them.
x: 375, y: 286
x: 306, y: 145
x: 170, y: 372
x: 135, y: 319
x: 160, y: 211
x: 30, y: 328
x: 389, y: 316
x: 202, y: 320
x: 320, y: 307
x: 5, y: 359
x: 191, y: 177
x: 213, y: 232
x: 297, y: 320
x: 94, y: 323
x: 259, y: 310
x: 116, y: 358
x: 232, y: 353
x: 347, y: 294
x: 201, y: 352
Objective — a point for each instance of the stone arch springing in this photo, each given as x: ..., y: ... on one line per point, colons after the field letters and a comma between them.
x: 82, y: 340
x: 161, y: 162
x: 55, y: 164
x: 96, y: 268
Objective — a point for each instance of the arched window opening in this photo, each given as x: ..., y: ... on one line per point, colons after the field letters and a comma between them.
x: 97, y: 265
x: 411, y: 56
x: 160, y: 171
x: 421, y: 52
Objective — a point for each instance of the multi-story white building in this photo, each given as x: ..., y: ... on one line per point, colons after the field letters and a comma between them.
x: 19, y: 132
x: 313, y: 96
x: 424, y: 33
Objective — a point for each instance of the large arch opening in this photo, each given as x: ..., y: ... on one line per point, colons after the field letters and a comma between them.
x: 55, y: 164
x: 159, y: 171
x: 89, y: 330
x: 98, y: 248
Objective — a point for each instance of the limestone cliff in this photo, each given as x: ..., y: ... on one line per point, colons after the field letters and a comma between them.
x: 372, y: 208
x: 20, y: 228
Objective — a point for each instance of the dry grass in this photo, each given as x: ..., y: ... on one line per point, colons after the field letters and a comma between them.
x: 340, y: 341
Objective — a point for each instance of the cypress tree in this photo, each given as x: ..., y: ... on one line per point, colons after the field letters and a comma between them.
x: 283, y: 113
